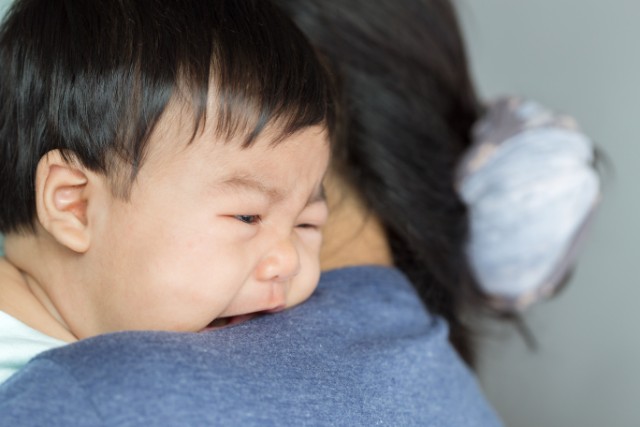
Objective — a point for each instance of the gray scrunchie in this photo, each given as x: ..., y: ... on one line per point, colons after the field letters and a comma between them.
x: 531, y: 188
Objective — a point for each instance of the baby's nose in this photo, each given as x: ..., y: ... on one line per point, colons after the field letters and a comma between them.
x: 281, y: 263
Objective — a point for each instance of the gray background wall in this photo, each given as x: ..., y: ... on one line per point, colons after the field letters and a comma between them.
x: 579, y: 56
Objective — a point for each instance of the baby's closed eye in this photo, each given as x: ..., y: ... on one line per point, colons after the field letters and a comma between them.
x: 248, y: 219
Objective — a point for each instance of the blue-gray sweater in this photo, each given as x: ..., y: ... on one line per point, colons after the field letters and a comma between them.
x: 361, y: 352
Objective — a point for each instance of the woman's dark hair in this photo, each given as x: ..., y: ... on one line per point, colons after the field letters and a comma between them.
x: 410, y: 106
x: 92, y: 78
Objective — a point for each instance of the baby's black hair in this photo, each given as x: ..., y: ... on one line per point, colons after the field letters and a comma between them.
x: 92, y: 79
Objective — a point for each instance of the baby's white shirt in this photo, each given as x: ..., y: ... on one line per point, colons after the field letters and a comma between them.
x: 20, y: 343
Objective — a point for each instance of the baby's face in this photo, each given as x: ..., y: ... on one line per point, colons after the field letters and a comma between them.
x: 210, y: 231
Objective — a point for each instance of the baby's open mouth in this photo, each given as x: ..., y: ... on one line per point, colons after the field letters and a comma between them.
x: 219, y: 323
x: 222, y: 322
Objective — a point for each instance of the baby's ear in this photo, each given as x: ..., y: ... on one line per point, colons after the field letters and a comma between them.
x: 63, y: 191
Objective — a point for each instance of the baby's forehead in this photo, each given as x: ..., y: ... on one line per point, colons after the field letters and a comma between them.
x: 184, y: 124
x: 199, y: 143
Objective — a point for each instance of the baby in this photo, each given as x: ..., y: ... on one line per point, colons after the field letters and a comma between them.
x: 161, y: 168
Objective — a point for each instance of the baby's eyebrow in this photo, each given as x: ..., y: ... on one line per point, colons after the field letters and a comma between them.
x: 246, y: 182
x: 252, y: 184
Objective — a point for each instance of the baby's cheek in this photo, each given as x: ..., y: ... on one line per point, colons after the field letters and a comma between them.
x: 310, y: 243
x: 307, y: 280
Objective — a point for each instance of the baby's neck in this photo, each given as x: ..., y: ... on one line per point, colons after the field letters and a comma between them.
x: 23, y: 297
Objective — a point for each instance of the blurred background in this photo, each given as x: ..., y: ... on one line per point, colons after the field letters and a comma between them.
x: 581, y: 57
x: 578, y: 56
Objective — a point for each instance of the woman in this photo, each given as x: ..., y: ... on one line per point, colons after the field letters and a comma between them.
x: 411, y: 108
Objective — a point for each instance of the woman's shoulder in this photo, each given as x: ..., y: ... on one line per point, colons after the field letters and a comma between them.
x: 375, y: 283
x: 384, y: 295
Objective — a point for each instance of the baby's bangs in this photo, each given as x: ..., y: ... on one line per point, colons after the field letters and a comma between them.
x: 259, y: 75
